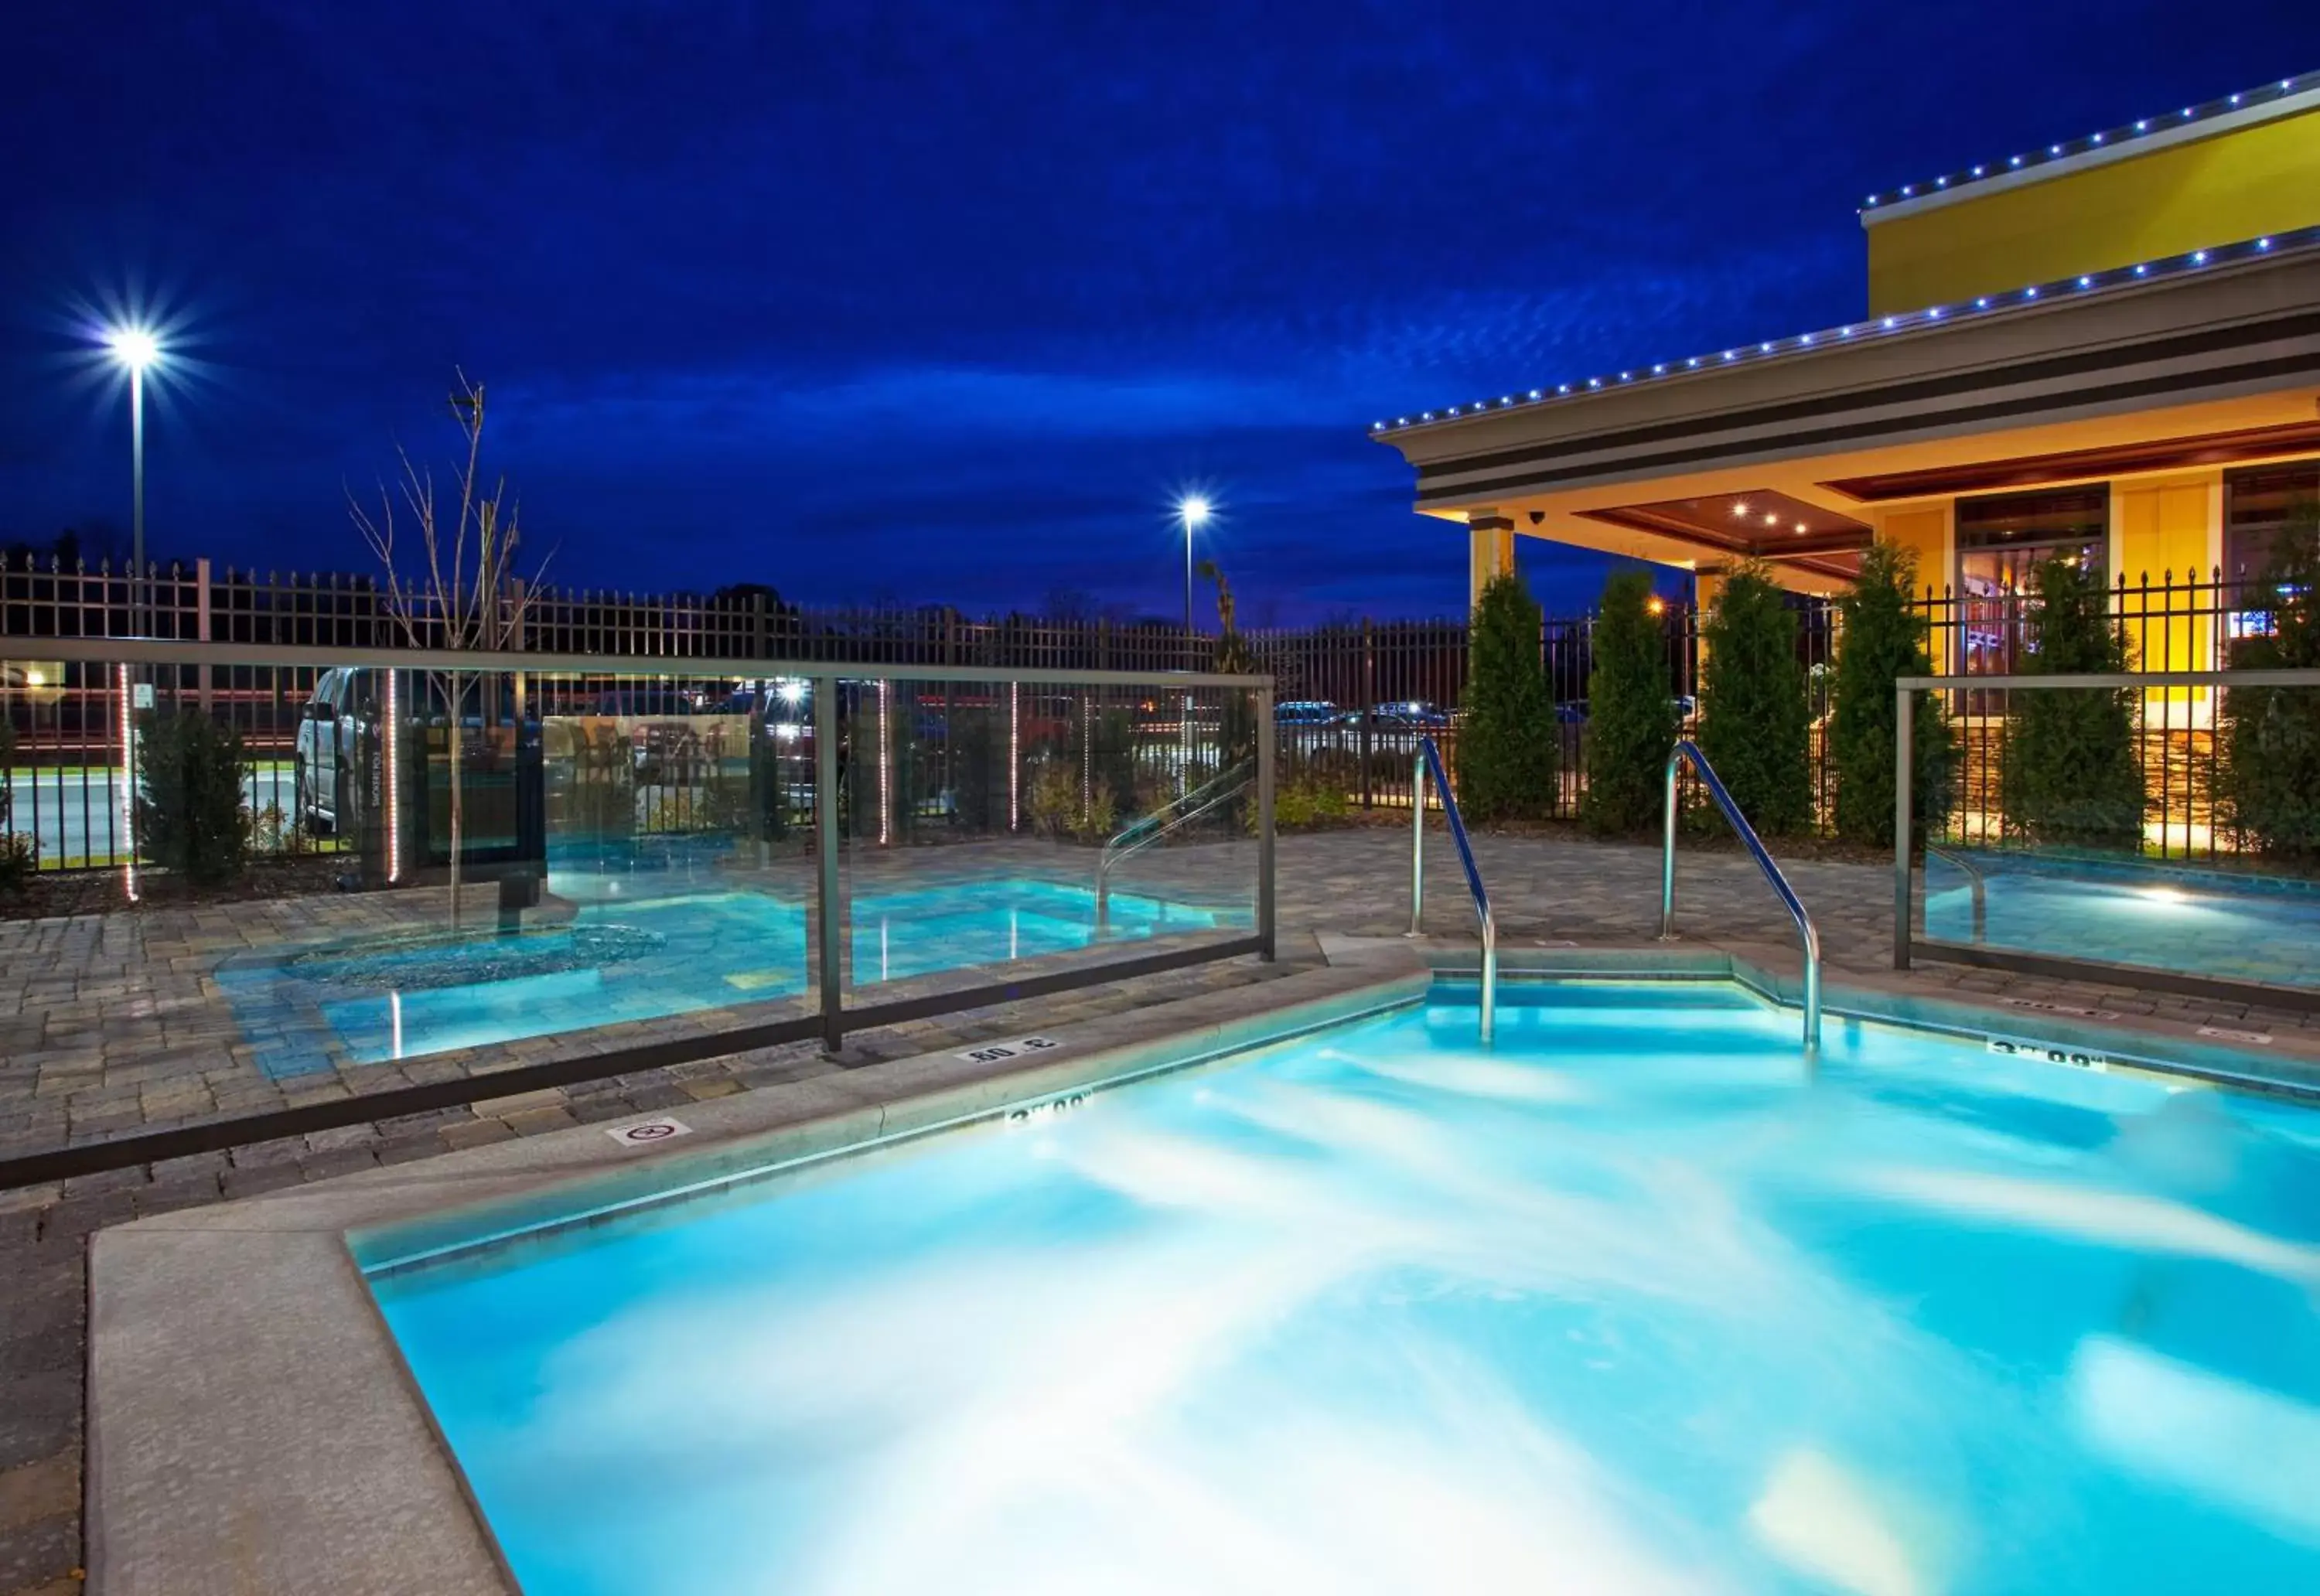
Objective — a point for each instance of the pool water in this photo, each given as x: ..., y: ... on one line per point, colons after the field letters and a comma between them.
x: 2198, y: 922
x: 1628, y: 1304
x: 647, y: 957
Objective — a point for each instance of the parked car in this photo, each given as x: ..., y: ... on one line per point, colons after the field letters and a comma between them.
x: 1411, y: 714
x: 323, y: 757
x: 1307, y: 711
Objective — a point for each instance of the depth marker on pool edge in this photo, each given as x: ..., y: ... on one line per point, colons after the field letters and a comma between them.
x: 993, y: 1052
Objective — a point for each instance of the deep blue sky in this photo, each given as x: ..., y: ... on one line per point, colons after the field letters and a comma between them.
x: 944, y: 303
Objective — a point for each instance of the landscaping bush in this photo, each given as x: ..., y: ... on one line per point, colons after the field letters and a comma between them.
x: 1508, y: 747
x: 1881, y: 640
x: 1753, y: 714
x: 189, y: 809
x: 1631, y: 723
x: 2268, y: 784
x: 19, y: 859
x: 2068, y: 776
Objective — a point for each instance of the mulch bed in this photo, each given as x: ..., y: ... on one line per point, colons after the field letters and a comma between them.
x: 101, y: 892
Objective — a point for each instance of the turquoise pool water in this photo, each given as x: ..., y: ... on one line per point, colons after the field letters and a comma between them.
x: 643, y: 958
x: 2198, y: 922
x: 1629, y: 1304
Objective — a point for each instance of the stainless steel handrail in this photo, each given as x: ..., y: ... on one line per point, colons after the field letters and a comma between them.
x: 1685, y: 749
x: 1430, y: 759
x: 1144, y: 831
x: 1975, y: 879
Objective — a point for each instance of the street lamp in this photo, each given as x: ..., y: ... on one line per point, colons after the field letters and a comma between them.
x: 1192, y: 509
x: 133, y: 348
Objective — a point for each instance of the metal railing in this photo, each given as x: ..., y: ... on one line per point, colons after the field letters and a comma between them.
x: 1429, y: 763
x: 1688, y: 750
x: 1170, y: 817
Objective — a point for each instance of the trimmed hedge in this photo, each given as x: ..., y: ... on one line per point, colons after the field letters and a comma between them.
x: 189, y: 808
x: 1754, y: 724
x: 2068, y: 776
x: 1508, y: 748
x: 1631, y: 713
x: 1882, y: 639
x: 2268, y: 784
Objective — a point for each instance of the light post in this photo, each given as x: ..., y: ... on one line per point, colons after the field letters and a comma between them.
x: 134, y: 349
x: 1194, y: 511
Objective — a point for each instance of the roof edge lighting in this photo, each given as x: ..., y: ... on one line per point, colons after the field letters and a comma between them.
x: 2078, y: 286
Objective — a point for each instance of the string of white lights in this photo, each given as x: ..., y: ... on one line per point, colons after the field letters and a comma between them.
x: 2144, y: 127
x: 1986, y: 305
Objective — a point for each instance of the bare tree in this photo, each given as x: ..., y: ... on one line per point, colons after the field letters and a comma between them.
x: 458, y: 590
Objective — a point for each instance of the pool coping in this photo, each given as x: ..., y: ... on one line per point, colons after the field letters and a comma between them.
x: 251, y: 1423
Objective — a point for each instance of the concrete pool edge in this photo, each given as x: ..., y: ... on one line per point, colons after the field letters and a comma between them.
x: 251, y: 1422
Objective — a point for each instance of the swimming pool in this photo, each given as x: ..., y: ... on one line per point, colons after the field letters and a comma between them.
x: 647, y: 958
x: 1631, y: 1303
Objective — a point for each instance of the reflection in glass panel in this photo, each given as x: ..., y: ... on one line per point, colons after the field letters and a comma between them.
x: 999, y: 825
x: 2002, y: 541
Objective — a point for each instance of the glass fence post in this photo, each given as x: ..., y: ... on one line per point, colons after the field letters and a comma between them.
x: 829, y: 911
x: 1265, y: 853
x: 1904, y: 749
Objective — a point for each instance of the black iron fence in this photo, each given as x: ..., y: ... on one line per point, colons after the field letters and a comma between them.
x: 1354, y: 696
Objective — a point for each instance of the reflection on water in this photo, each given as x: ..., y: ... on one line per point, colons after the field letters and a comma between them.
x: 625, y: 957
x: 1625, y: 1305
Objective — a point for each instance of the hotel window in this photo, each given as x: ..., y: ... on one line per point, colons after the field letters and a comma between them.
x: 2002, y: 541
x: 2259, y: 501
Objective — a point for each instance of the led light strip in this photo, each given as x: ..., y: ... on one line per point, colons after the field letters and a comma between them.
x: 394, y: 795
x: 1869, y: 327
x: 1014, y: 755
x: 886, y: 770
x: 128, y: 779
x: 2108, y: 139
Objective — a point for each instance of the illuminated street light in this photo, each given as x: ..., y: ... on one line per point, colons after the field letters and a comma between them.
x: 1192, y: 509
x: 133, y: 348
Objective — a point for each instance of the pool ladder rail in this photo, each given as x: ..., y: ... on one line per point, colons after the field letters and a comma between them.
x: 1685, y: 749
x: 1429, y: 763
x: 1147, y: 829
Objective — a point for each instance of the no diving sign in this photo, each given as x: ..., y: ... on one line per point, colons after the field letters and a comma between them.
x: 648, y: 1133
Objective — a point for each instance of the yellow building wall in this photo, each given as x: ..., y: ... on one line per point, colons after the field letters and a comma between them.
x: 2164, y: 540
x: 2244, y: 183
x: 1925, y: 534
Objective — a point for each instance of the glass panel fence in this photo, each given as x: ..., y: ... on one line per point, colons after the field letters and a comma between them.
x: 2171, y: 829
x: 230, y: 891
x: 359, y: 890
x: 1003, y: 830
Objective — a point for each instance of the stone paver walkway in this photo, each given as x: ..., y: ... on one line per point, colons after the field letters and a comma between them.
x: 109, y: 978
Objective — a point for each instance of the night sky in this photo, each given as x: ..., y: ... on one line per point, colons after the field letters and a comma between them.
x: 945, y: 303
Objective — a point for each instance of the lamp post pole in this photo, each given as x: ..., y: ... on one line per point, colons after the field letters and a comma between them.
x: 137, y: 619
x: 133, y: 349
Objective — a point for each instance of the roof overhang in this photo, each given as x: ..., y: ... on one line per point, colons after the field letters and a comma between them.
x: 2234, y: 348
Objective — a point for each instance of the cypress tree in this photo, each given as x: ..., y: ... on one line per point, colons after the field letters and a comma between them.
x: 1755, y: 725
x: 2268, y: 784
x: 1508, y: 747
x: 1631, y: 715
x: 2068, y: 776
x: 1882, y: 639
